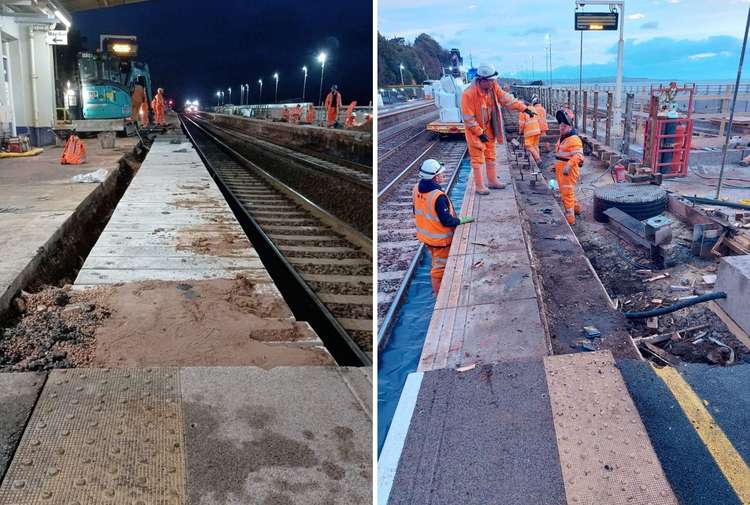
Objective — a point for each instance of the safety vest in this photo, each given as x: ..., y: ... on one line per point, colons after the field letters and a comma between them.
x: 541, y: 115
x: 429, y: 228
x: 569, y: 148
x: 528, y: 125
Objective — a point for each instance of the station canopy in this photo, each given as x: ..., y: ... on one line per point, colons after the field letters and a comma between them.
x: 85, y: 5
x: 52, y: 11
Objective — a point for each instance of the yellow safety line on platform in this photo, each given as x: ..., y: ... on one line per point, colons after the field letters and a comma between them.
x: 726, y: 456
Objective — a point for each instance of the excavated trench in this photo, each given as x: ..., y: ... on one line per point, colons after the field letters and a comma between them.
x: 55, y: 267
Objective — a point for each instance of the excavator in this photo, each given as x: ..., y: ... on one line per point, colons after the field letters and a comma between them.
x: 105, y: 79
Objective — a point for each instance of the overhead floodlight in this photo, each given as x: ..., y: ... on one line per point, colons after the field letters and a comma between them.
x: 304, y: 69
x: 260, y: 81
x: 322, y: 58
x: 585, y: 21
x: 121, y: 48
x: 59, y: 15
x: 276, y: 76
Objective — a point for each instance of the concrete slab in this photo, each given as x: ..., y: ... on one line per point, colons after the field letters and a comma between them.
x: 286, y: 435
x: 38, y: 198
x: 734, y: 279
x: 102, y: 436
x: 479, y: 437
x: 486, y: 310
x: 605, y: 453
x: 171, y: 191
x: 18, y: 395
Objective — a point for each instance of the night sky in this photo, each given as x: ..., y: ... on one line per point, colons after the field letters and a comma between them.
x: 194, y: 48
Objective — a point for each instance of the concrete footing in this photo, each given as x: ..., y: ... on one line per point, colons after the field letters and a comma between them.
x: 734, y: 280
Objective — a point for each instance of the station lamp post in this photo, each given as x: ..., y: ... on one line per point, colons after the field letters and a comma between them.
x: 242, y: 94
x: 229, y: 89
x: 276, y: 91
x: 247, y: 93
x: 322, y: 59
x: 304, y: 82
x: 607, y: 23
x: 260, y: 95
x: 401, y: 71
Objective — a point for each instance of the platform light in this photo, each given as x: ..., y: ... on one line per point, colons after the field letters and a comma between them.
x: 59, y: 15
x: 322, y: 59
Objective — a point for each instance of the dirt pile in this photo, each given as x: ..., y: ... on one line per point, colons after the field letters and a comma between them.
x: 56, y: 329
x: 219, y: 322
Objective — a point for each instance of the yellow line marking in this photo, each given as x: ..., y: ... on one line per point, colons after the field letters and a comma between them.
x: 726, y: 456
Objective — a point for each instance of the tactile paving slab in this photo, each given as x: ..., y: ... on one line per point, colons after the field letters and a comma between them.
x: 605, y: 453
x: 100, y: 436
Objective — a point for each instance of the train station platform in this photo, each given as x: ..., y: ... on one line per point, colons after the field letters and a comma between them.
x: 42, y: 205
x: 214, y: 436
x: 491, y: 415
x: 487, y: 308
x: 174, y: 257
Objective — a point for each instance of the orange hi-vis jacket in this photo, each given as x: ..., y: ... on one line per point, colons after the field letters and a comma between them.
x: 481, y: 112
x: 429, y: 228
x: 333, y: 102
x: 296, y: 113
x: 285, y: 114
x: 74, y: 152
x: 531, y: 126
x: 569, y: 151
x: 310, y: 118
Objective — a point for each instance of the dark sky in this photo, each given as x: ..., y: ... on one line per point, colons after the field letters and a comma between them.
x: 194, y: 48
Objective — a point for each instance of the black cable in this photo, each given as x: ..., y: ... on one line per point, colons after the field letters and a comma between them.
x: 714, y: 295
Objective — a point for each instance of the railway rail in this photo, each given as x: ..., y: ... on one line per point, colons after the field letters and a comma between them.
x: 398, y: 249
x: 392, y: 139
x: 321, y: 264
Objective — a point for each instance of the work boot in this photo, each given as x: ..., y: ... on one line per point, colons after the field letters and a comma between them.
x: 570, y: 216
x: 577, y: 209
x: 492, y: 181
x: 436, y: 285
x: 479, y: 180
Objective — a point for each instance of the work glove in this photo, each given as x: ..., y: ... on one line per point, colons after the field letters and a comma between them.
x: 484, y: 138
x: 530, y: 112
x: 466, y: 219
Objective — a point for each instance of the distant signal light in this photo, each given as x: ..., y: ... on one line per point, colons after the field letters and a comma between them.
x: 586, y: 21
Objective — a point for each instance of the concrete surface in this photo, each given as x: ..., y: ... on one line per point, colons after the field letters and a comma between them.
x: 172, y: 224
x: 102, y: 436
x: 734, y: 279
x: 486, y: 310
x: 287, y: 435
x: 37, y: 199
x: 479, y: 437
x: 231, y: 435
x: 18, y: 394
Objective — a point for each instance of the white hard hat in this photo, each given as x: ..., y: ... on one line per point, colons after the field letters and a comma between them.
x: 486, y: 72
x: 430, y: 168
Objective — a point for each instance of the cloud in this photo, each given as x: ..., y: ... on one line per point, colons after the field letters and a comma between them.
x: 651, y: 25
x: 673, y: 1
x: 537, y: 30
x: 472, y: 7
x: 636, y: 16
x: 711, y: 58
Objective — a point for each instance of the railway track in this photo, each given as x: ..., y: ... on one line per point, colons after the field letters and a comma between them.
x: 322, y: 265
x: 398, y: 248
x: 393, y: 138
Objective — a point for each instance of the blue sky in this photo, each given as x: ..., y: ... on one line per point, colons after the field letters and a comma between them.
x: 664, y: 39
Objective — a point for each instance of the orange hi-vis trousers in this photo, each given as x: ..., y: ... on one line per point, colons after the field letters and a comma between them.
x: 482, y: 154
x: 439, y: 257
x: 532, y: 146
x: 567, y: 183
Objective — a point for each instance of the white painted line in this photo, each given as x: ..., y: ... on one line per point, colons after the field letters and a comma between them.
x: 394, y: 441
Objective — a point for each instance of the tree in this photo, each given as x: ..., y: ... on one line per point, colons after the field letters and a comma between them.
x: 422, y: 60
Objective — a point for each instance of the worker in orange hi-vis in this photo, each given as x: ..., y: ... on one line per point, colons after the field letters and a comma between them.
x: 533, y: 128
x: 285, y: 114
x: 296, y: 113
x: 435, y: 217
x: 569, y: 156
x: 310, y: 117
x: 480, y: 105
x: 351, y: 116
x: 138, y: 99
x: 333, y: 104
x: 159, y: 105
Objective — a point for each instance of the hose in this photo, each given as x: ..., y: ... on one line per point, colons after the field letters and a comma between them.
x: 714, y: 295
x: 720, y: 203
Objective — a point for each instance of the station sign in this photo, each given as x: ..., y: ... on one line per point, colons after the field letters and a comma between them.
x: 57, y: 37
x: 598, y: 21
